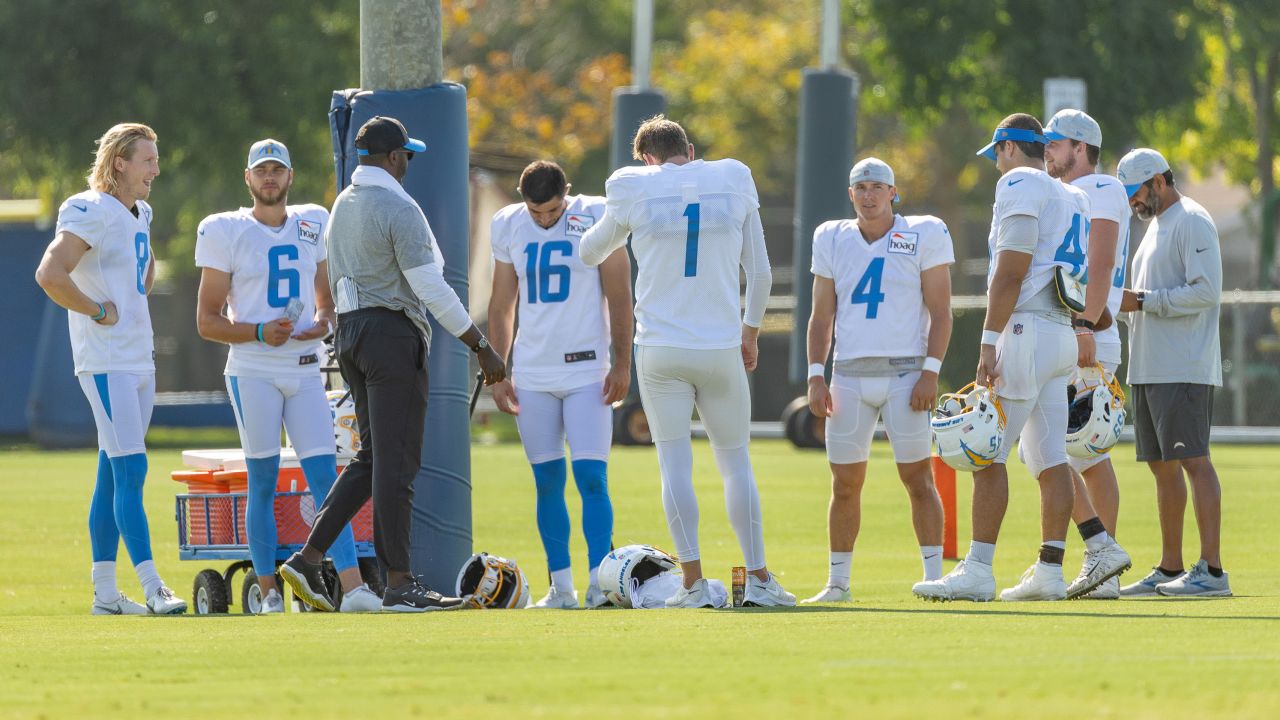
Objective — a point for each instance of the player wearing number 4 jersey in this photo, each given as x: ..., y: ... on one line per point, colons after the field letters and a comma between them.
x: 266, y: 266
x: 563, y: 385
x: 99, y: 267
x: 693, y: 225
x: 884, y: 281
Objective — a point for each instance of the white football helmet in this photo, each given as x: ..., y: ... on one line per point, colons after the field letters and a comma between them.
x: 489, y: 581
x: 1096, y: 413
x: 968, y: 427
x: 346, y: 433
x: 628, y: 567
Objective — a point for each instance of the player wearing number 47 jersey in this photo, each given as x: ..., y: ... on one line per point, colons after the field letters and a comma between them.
x: 884, y: 281
x: 99, y: 267
x: 266, y: 266
x: 563, y: 384
x: 693, y: 224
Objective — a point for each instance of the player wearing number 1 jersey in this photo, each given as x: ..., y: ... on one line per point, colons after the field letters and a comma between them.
x: 693, y: 224
x: 99, y: 267
x: 564, y: 385
x: 266, y: 266
x: 883, y: 280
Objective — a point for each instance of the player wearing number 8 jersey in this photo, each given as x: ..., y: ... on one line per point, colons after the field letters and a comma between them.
x: 100, y: 268
x: 693, y: 225
x: 883, y: 280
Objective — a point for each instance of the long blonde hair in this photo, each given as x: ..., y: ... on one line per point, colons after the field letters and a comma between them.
x: 117, y: 142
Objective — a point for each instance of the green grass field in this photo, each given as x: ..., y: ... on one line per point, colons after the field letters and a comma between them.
x: 886, y: 655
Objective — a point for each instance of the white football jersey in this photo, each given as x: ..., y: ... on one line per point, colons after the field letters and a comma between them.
x: 115, y: 270
x: 563, y: 338
x: 880, y: 309
x: 1063, y: 214
x: 268, y: 267
x: 1109, y: 201
x: 686, y: 224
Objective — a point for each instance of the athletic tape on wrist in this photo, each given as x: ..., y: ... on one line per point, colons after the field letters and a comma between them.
x: 932, y: 364
x: 817, y: 370
x: 990, y: 337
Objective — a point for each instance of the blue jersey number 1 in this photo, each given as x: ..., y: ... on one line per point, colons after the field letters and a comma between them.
x: 693, y: 211
x: 868, y: 290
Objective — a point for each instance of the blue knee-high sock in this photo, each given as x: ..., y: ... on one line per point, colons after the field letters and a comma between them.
x: 553, y: 513
x: 260, y: 513
x: 104, y: 536
x: 591, y: 477
x: 321, y: 472
x: 129, y: 473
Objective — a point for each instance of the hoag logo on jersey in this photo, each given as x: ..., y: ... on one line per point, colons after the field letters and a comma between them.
x: 308, y: 231
x: 576, y: 224
x: 903, y: 243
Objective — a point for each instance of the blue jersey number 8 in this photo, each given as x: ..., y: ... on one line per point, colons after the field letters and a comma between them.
x: 539, y: 270
x: 142, y: 251
x: 292, y: 280
x: 868, y: 290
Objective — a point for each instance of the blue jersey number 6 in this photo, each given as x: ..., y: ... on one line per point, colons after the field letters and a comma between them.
x: 276, y: 274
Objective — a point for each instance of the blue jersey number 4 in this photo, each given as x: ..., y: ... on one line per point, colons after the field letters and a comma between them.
x: 867, y: 292
x: 1070, y: 251
x: 539, y: 270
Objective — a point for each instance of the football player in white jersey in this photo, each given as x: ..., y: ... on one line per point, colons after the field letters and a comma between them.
x: 100, y: 268
x: 1075, y: 141
x: 883, y: 281
x: 266, y: 266
x: 693, y: 224
x: 563, y: 386
x: 1038, y: 226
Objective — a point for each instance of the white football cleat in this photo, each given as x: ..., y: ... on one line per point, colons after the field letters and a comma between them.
x: 1109, y: 590
x: 968, y: 580
x: 272, y: 603
x: 1099, y: 567
x: 1038, y: 583
x: 558, y: 600
x: 164, y: 602
x: 361, y: 600
x: 1196, y: 582
x: 120, y: 606
x: 595, y: 598
x: 1146, y: 587
x: 766, y: 594
x: 698, y: 596
x: 830, y: 594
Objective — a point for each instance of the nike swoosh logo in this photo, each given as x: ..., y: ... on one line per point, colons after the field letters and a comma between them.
x: 836, y: 563
x: 1102, y: 185
x: 1178, y: 445
x: 930, y: 557
x: 81, y: 209
x: 1200, y: 250
x: 1015, y: 182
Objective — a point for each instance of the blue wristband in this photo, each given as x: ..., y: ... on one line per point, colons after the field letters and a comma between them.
x: 259, y: 333
x: 102, y: 312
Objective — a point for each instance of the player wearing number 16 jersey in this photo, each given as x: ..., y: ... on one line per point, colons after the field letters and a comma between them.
x: 266, y: 266
x: 99, y: 267
x: 883, y: 280
x: 693, y: 224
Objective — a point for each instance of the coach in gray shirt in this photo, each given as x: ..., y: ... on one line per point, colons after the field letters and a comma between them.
x: 1175, y: 362
x: 386, y: 274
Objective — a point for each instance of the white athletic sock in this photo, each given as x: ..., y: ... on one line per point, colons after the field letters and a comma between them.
x: 349, y: 593
x: 104, y: 581
x: 841, y: 569
x: 675, y: 461
x: 1048, y: 569
x: 593, y: 576
x: 984, y: 553
x: 931, y: 556
x: 562, y: 580
x: 1099, y: 541
x: 742, y: 500
x: 149, y: 578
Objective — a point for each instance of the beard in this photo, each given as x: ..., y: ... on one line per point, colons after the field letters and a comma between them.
x: 1147, y: 209
x: 270, y: 197
x: 1058, y: 170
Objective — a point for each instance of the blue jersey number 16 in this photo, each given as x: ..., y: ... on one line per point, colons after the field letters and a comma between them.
x: 539, y: 270
x: 867, y: 291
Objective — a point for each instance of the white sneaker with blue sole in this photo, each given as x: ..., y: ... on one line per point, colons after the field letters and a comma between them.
x: 1196, y: 582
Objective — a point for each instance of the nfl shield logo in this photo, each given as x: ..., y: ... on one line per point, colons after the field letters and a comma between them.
x: 1017, y: 328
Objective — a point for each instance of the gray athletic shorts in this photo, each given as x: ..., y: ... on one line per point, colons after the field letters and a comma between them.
x: 1171, y: 420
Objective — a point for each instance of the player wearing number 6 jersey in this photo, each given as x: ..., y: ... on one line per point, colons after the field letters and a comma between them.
x: 693, y: 224
x: 563, y: 385
x: 1026, y: 355
x: 99, y: 267
x: 883, y: 280
x: 266, y: 266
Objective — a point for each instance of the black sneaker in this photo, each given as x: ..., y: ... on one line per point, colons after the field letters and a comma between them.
x: 307, y: 583
x: 413, y: 597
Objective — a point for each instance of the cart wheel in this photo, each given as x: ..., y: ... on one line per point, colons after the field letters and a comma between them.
x: 802, y: 427
x: 210, y: 593
x: 630, y: 426
x: 251, y: 594
x: 371, y: 575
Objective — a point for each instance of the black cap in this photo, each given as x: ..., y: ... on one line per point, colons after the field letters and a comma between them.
x: 381, y: 135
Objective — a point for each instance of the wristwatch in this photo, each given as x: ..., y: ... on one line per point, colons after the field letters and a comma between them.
x: 1082, y: 323
x: 1141, y: 296
x: 481, y: 344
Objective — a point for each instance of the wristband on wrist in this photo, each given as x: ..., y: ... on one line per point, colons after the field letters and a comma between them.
x: 990, y: 337
x: 259, y: 333
x: 933, y: 365
x: 816, y: 370
x: 102, y: 313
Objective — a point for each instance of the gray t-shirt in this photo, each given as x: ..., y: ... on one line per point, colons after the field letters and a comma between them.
x: 1174, y: 339
x: 373, y: 233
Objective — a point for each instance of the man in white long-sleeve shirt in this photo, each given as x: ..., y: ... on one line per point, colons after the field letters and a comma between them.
x: 1175, y: 361
x: 693, y: 224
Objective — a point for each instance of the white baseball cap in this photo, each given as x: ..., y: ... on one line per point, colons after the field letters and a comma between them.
x: 1138, y: 167
x: 1074, y: 125
x: 873, y: 170
x: 268, y: 150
